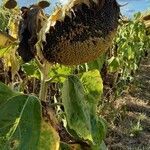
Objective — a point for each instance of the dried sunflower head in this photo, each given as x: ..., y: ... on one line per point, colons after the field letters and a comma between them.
x: 10, y: 4
x: 75, y: 33
x: 30, y: 25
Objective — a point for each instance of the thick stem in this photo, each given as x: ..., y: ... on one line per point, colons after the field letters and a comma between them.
x: 44, y: 69
x: 43, y: 88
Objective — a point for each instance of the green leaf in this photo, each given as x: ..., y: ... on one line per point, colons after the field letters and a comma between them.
x: 58, y: 70
x: 92, y: 103
x: 49, y: 138
x: 6, y: 93
x: 4, y: 18
x: 93, y: 86
x: 93, y: 65
x: 80, y: 108
x: 130, y: 53
x: 64, y: 146
x: 93, y: 83
x: 98, y: 63
x: 20, y: 120
x: 78, y: 117
x: 31, y: 69
x: 114, y: 64
x: 103, y: 146
x: 98, y: 131
x: 137, y: 15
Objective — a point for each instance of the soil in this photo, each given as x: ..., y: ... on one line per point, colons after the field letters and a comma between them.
x: 130, y: 130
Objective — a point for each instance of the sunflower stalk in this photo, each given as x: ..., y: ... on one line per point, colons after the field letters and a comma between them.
x: 44, y: 70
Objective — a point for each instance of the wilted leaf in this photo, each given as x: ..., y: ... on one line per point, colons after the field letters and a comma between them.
x: 5, y: 50
x: 20, y: 122
x: 5, y: 40
x: 65, y: 146
x: 78, y: 117
x: 10, y: 59
x: 13, y: 26
x: 49, y: 138
x: 14, y: 61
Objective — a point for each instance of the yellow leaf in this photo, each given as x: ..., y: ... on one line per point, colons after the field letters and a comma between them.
x: 13, y: 27
x: 49, y: 138
x: 5, y: 39
x: 15, y: 65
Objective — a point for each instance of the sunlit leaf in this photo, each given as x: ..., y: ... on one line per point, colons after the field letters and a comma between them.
x: 137, y: 15
x: 10, y: 59
x: 78, y: 117
x: 57, y: 70
x: 114, y: 64
x: 14, y: 61
x: 13, y: 25
x: 93, y: 85
x: 4, y: 51
x: 3, y: 19
x: 5, y: 40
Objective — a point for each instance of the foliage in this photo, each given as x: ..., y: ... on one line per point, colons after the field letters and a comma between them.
x: 18, y: 127
x: 4, y: 18
x: 75, y: 107
x: 130, y: 46
x: 79, y: 117
x: 22, y: 125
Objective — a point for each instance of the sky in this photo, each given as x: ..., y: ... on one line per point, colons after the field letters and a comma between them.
x: 132, y: 7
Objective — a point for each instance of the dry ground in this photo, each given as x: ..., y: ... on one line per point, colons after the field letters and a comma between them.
x: 130, y: 130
